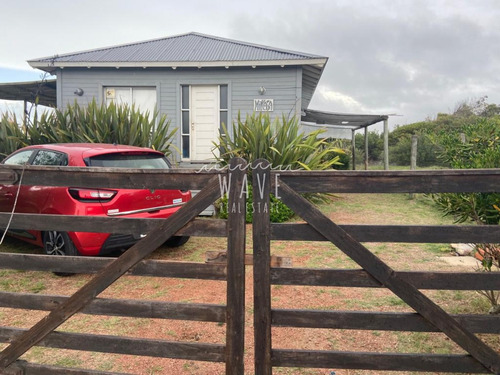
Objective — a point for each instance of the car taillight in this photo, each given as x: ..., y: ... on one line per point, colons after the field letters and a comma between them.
x: 92, y: 195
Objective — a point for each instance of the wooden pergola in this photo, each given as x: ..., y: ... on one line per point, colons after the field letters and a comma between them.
x: 338, y: 124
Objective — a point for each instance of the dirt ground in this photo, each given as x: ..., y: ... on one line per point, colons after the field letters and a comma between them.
x: 304, y: 254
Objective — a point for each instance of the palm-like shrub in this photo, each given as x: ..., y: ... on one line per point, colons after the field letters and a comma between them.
x: 94, y: 123
x: 12, y: 135
x: 280, y: 142
x: 283, y: 145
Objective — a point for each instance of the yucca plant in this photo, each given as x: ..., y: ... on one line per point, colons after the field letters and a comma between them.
x: 282, y: 144
x: 94, y: 123
x: 12, y: 136
x: 279, y: 141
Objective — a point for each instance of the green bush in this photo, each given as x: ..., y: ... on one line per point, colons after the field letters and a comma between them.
x: 11, y: 135
x: 427, y: 151
x: 280, y: 142
x: 94, y: 123
x: 481, y: 149
x: 278, y: 211
x: 375, y: 146
x: 283, y: 145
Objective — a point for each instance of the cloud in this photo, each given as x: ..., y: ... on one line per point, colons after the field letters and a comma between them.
x: 415, y: 58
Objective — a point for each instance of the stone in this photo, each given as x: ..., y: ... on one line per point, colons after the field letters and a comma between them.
x: 463, y: 249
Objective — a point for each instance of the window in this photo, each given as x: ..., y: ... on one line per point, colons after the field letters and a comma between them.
x: 20, y: 158
x: 143, y: 98
x: 185, y: 133
x: 223, y: 109
x: 128, y: 160
x: 46, y: 157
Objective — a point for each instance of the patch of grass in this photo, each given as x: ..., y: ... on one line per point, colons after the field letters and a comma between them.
x: 68, y: 361
x: 423, y: 342
x: 22, y: 281
x: 106, y: 365
x: 155, y: 370
x: 437, y: 248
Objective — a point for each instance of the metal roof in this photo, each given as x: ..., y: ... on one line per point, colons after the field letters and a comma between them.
x: 341, y: 120
x: 192, y: 50
x: 45, y: 91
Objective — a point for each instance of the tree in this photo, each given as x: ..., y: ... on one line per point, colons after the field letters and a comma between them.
x: 375, y: 146
x: 479, y: 149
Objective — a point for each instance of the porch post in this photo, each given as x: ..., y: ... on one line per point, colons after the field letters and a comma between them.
x: 386, y: 144
x: 353, y: 143
x: 366, y: 148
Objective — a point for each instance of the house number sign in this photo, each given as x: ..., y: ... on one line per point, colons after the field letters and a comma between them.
x: 263, y: 105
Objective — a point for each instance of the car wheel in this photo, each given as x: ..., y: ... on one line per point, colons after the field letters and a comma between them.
x: 176, y: 241
x: 59, y: 243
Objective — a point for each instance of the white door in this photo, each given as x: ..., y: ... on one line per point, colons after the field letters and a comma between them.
x: 204, y: 121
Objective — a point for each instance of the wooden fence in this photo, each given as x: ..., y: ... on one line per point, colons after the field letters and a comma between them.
x: 373, y: 273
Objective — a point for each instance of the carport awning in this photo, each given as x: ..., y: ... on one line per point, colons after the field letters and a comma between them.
x: 341, y: 120
x: 29, y: 91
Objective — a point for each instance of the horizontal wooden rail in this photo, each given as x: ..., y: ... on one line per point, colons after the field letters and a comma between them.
x: 376, y: 361
x: 125, y: 345
x: 78, y: 264
x: 120, y: 307
x: 361, y: 279
x: 100, y: 224
x: 428, y: 181
x: 379, y: 321
x: 28, y: 368
x: 125, y: 178
x: 394, y: 233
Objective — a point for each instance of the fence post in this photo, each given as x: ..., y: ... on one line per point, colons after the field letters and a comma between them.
x: 261, y: 179
x: 235, y: 315
x: 413, y: 156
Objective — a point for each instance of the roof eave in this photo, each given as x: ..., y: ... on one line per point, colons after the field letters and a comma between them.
x: 51, y: 65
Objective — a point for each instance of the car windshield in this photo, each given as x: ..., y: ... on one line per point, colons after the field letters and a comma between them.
x: 129, y: 160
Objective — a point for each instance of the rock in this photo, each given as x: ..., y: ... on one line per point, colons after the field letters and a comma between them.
x: 463, y: 249
x: 494, y: 310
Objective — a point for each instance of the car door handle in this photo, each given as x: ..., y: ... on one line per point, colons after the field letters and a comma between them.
x: 9, y: 195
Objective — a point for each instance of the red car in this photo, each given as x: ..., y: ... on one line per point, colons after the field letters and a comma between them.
x: 78, y: 201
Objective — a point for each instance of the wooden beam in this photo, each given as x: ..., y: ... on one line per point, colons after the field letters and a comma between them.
x: 261, y: 176
x: 120, y: 307
x: 422, y: 181
x: 104, y: 224
x: 377, y: 361
x: 236, y: 240
x: 393, y: 233
x: 378, y: 321
x: 362, y: 279
x: 123, y: 345
x: 126, y: 178
x: 69, y: 264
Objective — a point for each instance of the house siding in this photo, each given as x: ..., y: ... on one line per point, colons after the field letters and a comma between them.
x: 284, y: 85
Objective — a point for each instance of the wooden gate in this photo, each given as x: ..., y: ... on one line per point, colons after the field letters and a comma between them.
x: 183, y: 222
x: 374, y: 273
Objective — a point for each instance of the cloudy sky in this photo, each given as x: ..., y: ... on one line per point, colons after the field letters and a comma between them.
x: 411, y: 58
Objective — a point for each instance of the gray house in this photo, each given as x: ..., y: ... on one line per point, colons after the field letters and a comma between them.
x: 198, y: 81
